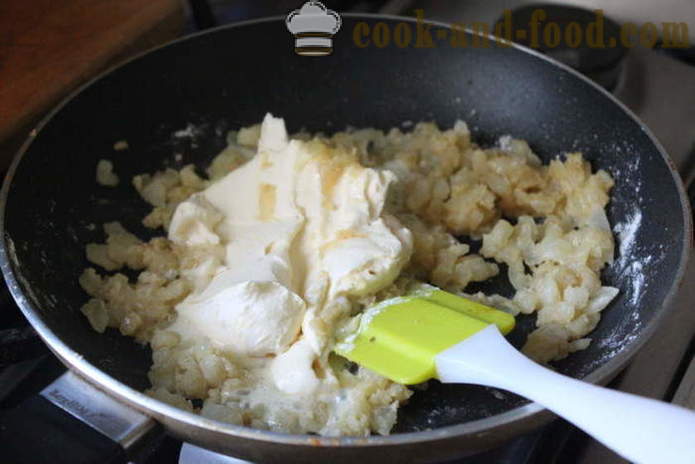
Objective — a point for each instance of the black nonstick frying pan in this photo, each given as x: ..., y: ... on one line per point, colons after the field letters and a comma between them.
x: 230, y: 77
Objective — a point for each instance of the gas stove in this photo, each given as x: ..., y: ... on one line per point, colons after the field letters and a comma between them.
x: 659, y: 86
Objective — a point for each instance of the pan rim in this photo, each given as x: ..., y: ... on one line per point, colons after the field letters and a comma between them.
x: 158, y: 409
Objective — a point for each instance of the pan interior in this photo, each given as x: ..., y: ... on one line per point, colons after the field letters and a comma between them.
x: 182, y: 99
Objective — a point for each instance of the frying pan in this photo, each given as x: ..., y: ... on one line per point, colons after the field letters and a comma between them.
x: 183, y: 98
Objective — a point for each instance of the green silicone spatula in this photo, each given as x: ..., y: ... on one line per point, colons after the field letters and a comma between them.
x: 400, y: 338
x: 435, y: 334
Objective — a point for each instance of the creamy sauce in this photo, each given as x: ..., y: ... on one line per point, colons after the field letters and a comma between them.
x: 300, y: 231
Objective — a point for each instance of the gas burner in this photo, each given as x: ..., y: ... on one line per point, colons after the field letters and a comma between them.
x: 18, y: 340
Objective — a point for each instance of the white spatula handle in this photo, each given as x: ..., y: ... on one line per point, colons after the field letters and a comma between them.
x: 642, y: 430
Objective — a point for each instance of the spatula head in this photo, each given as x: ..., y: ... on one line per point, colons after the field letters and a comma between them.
x: 399, y: 338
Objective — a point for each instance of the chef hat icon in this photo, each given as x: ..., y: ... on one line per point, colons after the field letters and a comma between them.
x: 313, y: 26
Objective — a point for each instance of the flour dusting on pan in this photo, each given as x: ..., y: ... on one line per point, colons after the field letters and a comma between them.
x: 191, y: 131
x: 629, y: 264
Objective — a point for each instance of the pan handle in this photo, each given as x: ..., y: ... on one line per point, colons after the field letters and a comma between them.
x: 71, y: 422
